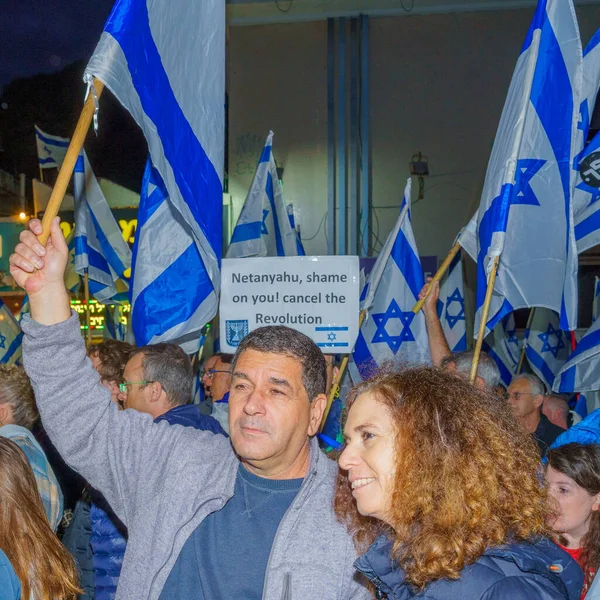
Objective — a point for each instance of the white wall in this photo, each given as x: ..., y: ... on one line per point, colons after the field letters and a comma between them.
x: 438, y: 84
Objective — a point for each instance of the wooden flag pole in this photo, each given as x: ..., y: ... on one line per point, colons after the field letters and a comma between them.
x: 335, y: 388
x: 483, y: 320
x: 86, y: 291
x: 68, y: 165
x: 524, y: 348
x: 438, y: 276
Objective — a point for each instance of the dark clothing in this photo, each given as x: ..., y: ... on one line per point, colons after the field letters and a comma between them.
x: 546, y: 433
x: 242, y: 533
x: 77, y: 541
x: 536, y: 571
x: 189, y: 415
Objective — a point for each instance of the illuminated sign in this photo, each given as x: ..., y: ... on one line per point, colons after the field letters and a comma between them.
x: 98, y: 313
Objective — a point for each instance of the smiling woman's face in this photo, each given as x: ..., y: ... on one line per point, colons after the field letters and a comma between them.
x: 369, y: 456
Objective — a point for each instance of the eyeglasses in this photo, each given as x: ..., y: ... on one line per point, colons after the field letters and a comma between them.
x: 124, y: 384
x: 211, y: 372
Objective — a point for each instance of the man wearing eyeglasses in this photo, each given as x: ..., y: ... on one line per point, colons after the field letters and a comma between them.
x: 158, y: 380
x: 216, y: 380
x: 525, y: 398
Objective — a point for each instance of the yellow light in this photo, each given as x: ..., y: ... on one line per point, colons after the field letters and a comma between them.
x: 22, y: 216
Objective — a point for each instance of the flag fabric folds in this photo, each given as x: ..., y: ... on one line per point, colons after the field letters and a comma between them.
x: 165, y: 63
x: 526, y: 213
x: 51, y: 149
x: 547, y: 346
x: 172, y: 295
x: 299, y: 246
x: 100, y: 249
x: 587, y: 195
x: 10, y: 337
x: 391, y: 331
x: 581, y: 373
x: 504, y: 347
x: 263, y: 227
x: 451, y: 306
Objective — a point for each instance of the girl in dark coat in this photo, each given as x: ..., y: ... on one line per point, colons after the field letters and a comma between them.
x: 444, y: 485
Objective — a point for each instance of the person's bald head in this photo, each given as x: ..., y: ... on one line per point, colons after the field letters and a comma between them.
x: 556, y: 409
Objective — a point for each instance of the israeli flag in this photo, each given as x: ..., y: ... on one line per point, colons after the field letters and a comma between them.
x: 584, y: 193
x: 172, y: 295
x: 391, y: 331
x: 165, y: 62
x: 526, y: 215
x: 547, y: 346
x: 51, y: 149
x: 263, y: 227
x: 100, y: 249
x: 587, y: 194
x: 581, y: 373
x: 114, y: 329
x: 299, y: 246
x: 10, y: 337
x: 504, y: 347
x: 451, y: 306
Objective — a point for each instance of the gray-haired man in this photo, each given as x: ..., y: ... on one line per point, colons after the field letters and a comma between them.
x: 206, y: 520
x: 525, y: 397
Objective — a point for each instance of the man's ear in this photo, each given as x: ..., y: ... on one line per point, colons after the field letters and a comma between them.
x: 538, y: 399
x: 317, y: 408
x: 156, y: 390
x: 5, y: 414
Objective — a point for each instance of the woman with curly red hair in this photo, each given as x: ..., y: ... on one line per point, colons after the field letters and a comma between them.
x: 444, y: 486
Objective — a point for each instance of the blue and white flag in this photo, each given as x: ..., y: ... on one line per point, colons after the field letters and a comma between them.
x: 391, y: 331
x: 100, y: 249
x: 587, y: 194
x: 51, y: 149
x: 504, y: 347
x: 581, y: 373
x: 114, y: 329
x: 547, y: 345
x: 583, y: 194
x: 299, y: 246
x: 526, y: 214
x: 10, y: 337
x: 172, y: 296
x: 451, y: 306
x: 263, y: 227
x: 165, y: 63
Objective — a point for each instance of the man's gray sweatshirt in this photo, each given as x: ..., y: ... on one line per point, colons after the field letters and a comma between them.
x: 162, y: 480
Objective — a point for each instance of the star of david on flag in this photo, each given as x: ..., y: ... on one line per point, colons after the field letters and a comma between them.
x: 391, y: 331
x: 546, y: 350
x: 263, y: 227
x: 526, y: 213
x: 451, y: 306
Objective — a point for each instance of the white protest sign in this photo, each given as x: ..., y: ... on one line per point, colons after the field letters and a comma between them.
x: 317, y: 295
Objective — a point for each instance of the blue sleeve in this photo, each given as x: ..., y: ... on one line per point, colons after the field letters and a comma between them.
x: 10, y: 587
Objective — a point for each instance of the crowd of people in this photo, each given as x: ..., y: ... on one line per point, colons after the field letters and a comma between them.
x: 443, y: 489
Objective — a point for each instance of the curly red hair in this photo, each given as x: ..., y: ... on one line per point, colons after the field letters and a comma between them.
x: 467, y: 476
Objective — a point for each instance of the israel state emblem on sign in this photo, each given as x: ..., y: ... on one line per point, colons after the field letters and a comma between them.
x: 235, y: 331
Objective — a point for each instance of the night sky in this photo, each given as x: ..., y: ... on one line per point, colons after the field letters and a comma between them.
x: 43, y: 36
